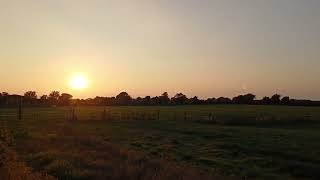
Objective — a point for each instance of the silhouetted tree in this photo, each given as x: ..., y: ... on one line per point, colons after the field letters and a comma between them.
x: 65, y: 99
x: 275, y: 99
x: 155, y: 101
x: 164, y: 98
x: 54, y: 97
x: 285, y: 100
x: 266, y: 100
x: 137, y: 101
x: 30, y: 97
x: 244, y: 99
x: 123, y: 99
x: 179, y: 99
x: 146, y: 100
x: 44, y: 99
x: 109, y: 101
x: 237, y: 99
x: 211, y: 101
x: 224, y: 100
x: 195, y: 100
x: 100, y: 101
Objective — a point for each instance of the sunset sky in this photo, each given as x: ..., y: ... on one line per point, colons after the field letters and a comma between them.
x: 207, y: 48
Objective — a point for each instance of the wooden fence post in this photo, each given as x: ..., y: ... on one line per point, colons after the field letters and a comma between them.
x: 74, y: 117
x: 72, y: 113
x: 210, y: 117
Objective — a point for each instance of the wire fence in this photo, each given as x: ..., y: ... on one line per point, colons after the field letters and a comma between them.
x: 96, y: 114
x: 18, y: 116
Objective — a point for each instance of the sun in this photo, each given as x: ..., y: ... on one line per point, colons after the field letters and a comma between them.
x: 79, y: 82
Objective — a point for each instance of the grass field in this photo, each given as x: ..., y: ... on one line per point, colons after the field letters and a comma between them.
x: 257, y: 142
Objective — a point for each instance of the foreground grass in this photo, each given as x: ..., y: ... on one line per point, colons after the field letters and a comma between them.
x: 173, y: 148
x: 67, y: 152
x: 274, y: 152
x: 10, y: 167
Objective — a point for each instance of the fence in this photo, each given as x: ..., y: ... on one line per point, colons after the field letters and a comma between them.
x: 225, y: 115
x: 98, y: 113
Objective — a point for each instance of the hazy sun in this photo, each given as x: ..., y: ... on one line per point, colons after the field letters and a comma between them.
x: 79, y: 82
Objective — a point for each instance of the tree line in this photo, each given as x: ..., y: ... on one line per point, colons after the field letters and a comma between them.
x: 55, y: 98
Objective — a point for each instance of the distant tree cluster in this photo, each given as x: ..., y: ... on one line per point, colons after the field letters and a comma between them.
x: 31, y: 98
x: 55, y: 98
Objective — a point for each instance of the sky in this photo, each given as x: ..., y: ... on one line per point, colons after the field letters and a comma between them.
x: 208, y: 48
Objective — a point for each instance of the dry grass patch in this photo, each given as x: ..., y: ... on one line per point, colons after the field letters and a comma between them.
x: 69, y: 155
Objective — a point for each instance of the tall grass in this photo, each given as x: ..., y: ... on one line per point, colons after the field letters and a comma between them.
x: 77, y: 155
x: 10, y: 167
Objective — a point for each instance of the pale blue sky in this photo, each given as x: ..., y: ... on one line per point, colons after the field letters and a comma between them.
x: 205, y: 48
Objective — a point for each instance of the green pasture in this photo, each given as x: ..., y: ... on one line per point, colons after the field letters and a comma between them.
x: 239, y: 144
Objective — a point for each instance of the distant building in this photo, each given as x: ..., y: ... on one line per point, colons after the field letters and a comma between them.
x: 13, y: 99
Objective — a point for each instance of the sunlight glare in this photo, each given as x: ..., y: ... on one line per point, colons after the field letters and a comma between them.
x: 79, y: 82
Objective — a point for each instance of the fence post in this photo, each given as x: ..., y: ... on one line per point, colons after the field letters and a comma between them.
x: 74, y: 117
x: 72, y: 113
x: 158, y: 115
x: 210, y: 117
x: 185, y: 116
